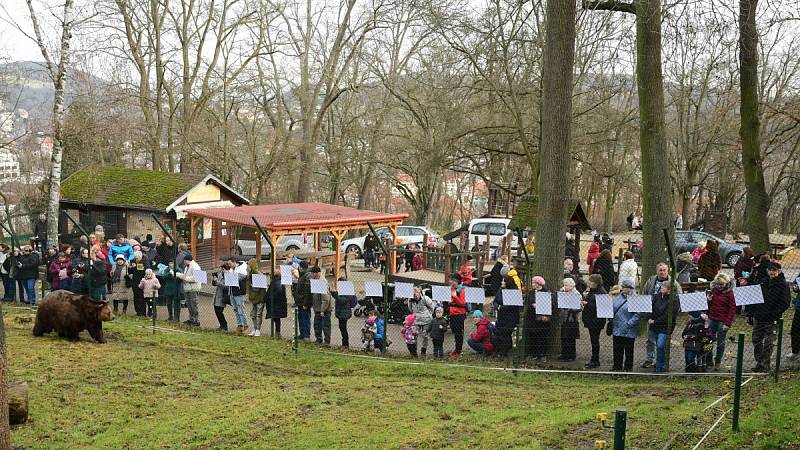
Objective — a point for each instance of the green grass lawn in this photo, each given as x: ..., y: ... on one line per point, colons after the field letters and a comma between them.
x: 212, y: 390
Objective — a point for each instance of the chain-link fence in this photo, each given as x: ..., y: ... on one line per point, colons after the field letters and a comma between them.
x: 486, y: 316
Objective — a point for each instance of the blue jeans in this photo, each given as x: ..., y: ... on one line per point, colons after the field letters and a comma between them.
x: 695, y: 362
x: 662, y: 340
x: 237, y: 301
x: 477, y: 346
x: 30, y: 290
x: 721, y: 332
x: 8, y: 288
x: 304, y: 322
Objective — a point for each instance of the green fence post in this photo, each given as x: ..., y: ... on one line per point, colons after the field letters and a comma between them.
x: 779, y: 348
x: 620, y: 424
x: 737, y: 388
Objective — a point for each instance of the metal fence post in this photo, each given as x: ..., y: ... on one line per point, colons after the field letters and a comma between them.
x: 737, y: 388
x: 779, y: 348
x: 620, y: 424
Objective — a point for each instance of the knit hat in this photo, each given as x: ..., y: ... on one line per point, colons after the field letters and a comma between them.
x: 774, y: 265
x: 477, y: 314
x: 538, y: 280
x: 410, y: 319
x: 627, y: 283
x: 438, y: 308
x: 370, y: 321
x: 504, y: 270
x: 188, y: 257
x: 120, y: 256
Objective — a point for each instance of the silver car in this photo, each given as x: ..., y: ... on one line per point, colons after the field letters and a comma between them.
x: 288, y: 243
x: 405, y: 233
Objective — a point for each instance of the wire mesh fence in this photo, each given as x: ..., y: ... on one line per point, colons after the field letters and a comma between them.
x: 468, y: 313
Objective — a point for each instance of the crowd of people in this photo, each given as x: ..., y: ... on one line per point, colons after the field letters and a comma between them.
x: 146, y: 272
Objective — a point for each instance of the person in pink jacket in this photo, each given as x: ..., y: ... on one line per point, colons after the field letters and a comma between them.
x: 150, y: 286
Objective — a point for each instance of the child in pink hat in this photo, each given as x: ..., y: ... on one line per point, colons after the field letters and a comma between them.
x: 410, y: 332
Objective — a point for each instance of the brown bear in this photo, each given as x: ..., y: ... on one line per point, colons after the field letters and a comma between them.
x: 69, y: 314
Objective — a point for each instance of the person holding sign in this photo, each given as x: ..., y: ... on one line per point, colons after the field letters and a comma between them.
x: 536, y: 326
x: 255, y: 295
x: 237, y: 273
x: 322, y: 311
x: 764, y: 315
x: 457, y: 310
x: 721, y: 313
x: 190, y: 288
x: 275, y: 303
x: 302, y: 300
x: 507, y: 318
x: 136, y: 271
x: 658, y: 321
x: 569, y: 325
x: 625, y: 327
x: 590, y: 320
x: 422, y: 307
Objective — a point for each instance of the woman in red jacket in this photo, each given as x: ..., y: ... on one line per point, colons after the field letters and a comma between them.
x: 481, y: 339
x: 721, y: 312
x: 594, y: 253
x: 457, y: 310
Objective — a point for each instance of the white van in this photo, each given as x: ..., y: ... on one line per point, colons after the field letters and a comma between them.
x: 497, y: 228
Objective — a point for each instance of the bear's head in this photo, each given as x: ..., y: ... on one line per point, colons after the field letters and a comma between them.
x: 104, y: 313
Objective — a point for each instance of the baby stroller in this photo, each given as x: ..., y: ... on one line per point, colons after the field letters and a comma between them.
x: 398, y: 310
x: 364, y: 306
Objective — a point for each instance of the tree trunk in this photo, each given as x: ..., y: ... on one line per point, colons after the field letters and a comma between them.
x: 611, y: 198
x: 5, y: 430
x: 656, y: 182
x: 757, y: 204
x: 554, y: 156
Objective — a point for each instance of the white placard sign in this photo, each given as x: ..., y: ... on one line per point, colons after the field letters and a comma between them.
x: 319, y: 286
x: 475, y: 295
x: 231, y: 279
x: 569, y: 300
x: 404, y: 290
x: 605, y: 306
x: 440, y: 293
x: 544, y: 303
x: 345, y: 288
x: 286, y: 275
x: 512, y: 297
x: 259, y: 281
x: 694, y: 301
x: 748, y: 295
x: 200, y: 277
x: 374, y: 289
x: 638, y: 303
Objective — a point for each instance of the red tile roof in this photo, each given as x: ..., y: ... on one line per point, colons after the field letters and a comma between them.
x: 297, y: 216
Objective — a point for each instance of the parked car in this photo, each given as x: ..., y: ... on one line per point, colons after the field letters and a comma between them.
x: 686, y: 241
x: 406, y: 233
x: 288, y: 243
x: 497, y: 227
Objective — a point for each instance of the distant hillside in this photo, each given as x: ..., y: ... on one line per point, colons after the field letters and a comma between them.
x: 26, y: 85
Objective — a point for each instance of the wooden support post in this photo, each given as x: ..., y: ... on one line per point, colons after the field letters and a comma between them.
x: 257, y: 237
x: 192, y: 235
x: 391, y: 258
x: 337, y: 236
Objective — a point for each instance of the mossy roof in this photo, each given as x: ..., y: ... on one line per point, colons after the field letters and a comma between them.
x: 131, y: 188
x: 525, y: 215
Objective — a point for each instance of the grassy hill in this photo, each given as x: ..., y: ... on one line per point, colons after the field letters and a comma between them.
x: 201, y: 389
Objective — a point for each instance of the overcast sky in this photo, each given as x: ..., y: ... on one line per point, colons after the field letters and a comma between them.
x: 13, y: 43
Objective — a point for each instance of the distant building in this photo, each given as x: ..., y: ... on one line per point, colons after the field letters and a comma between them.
x: 6, y: 122
x: 9, y: 166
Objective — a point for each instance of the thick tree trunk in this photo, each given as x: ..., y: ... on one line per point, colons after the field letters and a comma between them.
x: 554, y: 156
x: 757, y: 204
x: 656, y: 182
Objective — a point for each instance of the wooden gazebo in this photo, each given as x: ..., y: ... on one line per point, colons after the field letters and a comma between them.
x: 295, y: 218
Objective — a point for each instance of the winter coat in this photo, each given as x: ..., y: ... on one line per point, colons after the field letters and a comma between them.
x: 56, y: 270
x: 659, y: 314
x: 605, y: 268
x: 99, y: 275
x: 276, y: 293
x: 254, y: 295
x: 482, y: 335
x: 594, y: 253
x: 5, y: 263
x: 722, y: 305
x: 625, y: 323
x: 589, y: 314
x: 342, y: 304
x: 458, y: 301
x: 776, y: 300
x: 381, y: 329
x: 515, y: 276
x: 495, y: 278
x: 422, y: 309
x: 221, y: 294
x: 118, y: 289
x: 150, y: 286
x: 125, y: 250
x: 165, y: 253
x: 710, y: 263
x: 169, y: 282
x: 697, y: 253
x: 321, y: 303
x: 507, y: 315
x: 187, y: 277
x: 409, y: 334
x: 136, y: 272
x: 465, y: 274
x: 417, y: 262
x: 27, y: 267
x: 629, y: 269
x: 744, y: 264
x: 438, y: 327
x: 758, y: 275
x: 303, y: 291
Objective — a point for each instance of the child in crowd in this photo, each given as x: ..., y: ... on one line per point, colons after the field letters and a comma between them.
x: 120, y: 283
x: 698, y: 341
x: 380, y: 332
x: 410, y: 332
x: 171, y: 293
x: 150, y: 286
x: 368, y: 333
x: 438, y: 327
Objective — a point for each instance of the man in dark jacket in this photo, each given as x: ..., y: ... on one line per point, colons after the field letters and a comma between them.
x: 370, y: 245
x: 764, y: 315
x: 303, y: 301
x: 659, y: 319
x: 652, y: 287
x: 40, y: 232
x: 28, y: 272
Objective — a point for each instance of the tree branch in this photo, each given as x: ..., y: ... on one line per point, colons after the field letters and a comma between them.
x: 609, y: 5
